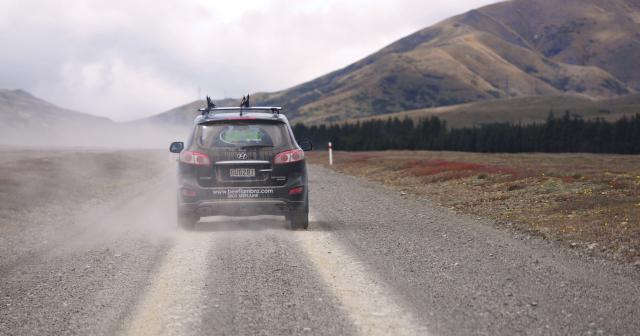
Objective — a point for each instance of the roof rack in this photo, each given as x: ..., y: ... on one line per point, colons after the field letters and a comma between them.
x: 244, y: 106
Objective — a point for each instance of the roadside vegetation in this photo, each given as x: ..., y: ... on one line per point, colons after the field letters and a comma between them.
x: 585, y: 201
x: 570, y: 133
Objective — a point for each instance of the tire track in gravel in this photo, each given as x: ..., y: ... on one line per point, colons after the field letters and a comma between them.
x: 251, y: 276
x: 88, y: 277
x: 173, y: 302
x: 460, y: 275
x: 363, y: 296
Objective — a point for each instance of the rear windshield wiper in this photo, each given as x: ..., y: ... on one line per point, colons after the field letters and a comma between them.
x: 255, y: 146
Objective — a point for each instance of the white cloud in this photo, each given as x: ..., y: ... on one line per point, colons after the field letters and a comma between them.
x: 114, y: 88
x: 129, y: 59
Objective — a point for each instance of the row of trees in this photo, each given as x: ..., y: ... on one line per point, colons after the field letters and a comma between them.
x: 566, y: 134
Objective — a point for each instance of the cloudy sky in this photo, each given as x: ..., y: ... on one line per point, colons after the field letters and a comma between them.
x: 130, y: 59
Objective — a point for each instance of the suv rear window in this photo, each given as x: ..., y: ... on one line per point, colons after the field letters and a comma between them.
x: 242, y: 134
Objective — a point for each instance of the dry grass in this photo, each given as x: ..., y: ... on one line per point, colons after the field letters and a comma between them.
x: 524, y: 110
x: 585, y: 201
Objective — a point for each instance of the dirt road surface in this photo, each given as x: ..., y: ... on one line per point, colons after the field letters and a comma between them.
x: 89, y: 245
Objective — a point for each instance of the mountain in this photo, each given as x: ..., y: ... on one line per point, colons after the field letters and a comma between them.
x: 182, y: 115
x: 520, y: 48
x: 19, y: 109
x: 26, y: 120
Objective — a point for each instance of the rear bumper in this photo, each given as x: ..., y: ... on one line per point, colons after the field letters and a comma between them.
x: 241, y: 207
x: 241, y: 201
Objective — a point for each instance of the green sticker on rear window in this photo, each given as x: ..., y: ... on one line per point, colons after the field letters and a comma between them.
x: 241, y: 135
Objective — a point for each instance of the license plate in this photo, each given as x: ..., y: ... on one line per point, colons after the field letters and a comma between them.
x: 242, y: 172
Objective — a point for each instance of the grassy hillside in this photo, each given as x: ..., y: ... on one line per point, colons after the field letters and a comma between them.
x: 523, y: 110
x: 587, y: 49
x: 517, y: 48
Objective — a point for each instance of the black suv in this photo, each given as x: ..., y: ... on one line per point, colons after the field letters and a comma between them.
x: 242, y: 161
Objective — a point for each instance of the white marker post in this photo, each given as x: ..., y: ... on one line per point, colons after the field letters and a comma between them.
x: 330, y: 154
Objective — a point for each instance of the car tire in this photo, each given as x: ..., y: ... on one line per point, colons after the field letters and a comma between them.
x: 187, y: 221
x: 298, y: 219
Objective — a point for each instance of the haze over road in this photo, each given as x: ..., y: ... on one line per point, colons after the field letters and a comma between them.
x: 89, y: 245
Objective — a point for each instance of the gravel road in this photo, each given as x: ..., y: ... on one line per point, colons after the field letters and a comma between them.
x: 89, y: 246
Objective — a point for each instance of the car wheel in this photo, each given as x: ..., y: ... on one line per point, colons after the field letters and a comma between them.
x: 187, y: 221
x: 298, y: 219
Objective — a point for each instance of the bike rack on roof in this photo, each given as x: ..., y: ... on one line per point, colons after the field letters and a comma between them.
x: 244, y: 106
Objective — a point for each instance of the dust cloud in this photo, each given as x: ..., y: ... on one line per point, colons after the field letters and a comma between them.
x: 78, y: 199
x: 58, y: 200
x: 82, y: 188
x: 96, y: 136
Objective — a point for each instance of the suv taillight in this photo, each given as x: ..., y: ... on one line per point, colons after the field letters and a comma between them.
x: 290, y: 156
x: 195, y: 158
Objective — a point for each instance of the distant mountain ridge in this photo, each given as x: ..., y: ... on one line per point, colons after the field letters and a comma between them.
x: 19, y: 108
x: 478, y: 67
x: 520, y: 48
x: 26, y: 120
x: 182, y: 115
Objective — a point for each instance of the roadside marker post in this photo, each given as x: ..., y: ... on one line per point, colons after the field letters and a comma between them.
x: 330, y: 154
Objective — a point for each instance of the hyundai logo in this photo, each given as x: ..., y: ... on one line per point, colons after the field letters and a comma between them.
x: 241, y: 156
